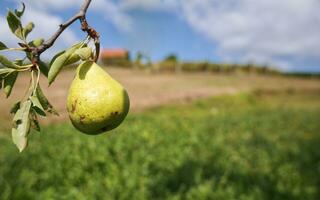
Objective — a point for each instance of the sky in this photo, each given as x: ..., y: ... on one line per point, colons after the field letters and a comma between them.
x: 284, y: 34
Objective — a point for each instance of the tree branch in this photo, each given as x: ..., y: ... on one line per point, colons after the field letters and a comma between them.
x: 81, y: 15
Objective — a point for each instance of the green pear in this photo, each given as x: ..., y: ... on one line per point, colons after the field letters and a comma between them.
x: 96, y: 102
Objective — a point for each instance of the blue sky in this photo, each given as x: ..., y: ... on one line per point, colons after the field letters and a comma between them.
x: 278, y: 33
x: 157, y: 34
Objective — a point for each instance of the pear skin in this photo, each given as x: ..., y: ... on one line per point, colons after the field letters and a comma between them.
x: 96, y: 102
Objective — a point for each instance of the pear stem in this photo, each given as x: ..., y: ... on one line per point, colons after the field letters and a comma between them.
x: 81, y: 15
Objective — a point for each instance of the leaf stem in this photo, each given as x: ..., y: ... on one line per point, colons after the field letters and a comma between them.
x: 24, y: 68
x: 30, y: 83
x: 38, y: 78
x: 14, y: 49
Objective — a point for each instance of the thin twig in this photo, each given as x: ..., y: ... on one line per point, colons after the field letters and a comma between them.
x: 81, y: 15
x: 92, y: 33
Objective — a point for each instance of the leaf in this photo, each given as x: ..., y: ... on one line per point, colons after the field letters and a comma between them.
x: 22, y: 126
x: 43, y: 68
x: 61, y: 61
x: 6, y: 62
x: 36, y: 42
x: 18, y: 62
x: 44, y: 101
x: 28, y: 29
x: 20, y: 141
x: 36, y: 105
x: 56, y: 67
x: 9, y: 82
x: 55, y: 57
x: 20, y: 13
x: 29, y: 55
x: 72, y: 59
x: 15, y: 25
x: 15, y: 107
x: 84, y: 53
x: 5, y: 71
x: 75, y: 56
x: 78, y: 45
x: 34, y: 121
x: 2, y: 46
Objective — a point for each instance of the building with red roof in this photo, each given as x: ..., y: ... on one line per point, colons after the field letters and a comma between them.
x: 116, y: 57
x: 114, y: 54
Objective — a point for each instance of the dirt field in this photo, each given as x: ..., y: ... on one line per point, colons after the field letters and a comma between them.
x: 149, y: 90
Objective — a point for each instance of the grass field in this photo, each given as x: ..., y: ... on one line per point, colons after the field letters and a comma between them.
x: 246, y: 146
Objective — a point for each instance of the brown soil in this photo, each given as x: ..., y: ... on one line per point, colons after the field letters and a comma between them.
x: 148, y: 90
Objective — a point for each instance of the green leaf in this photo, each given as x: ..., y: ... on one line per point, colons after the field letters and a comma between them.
x: 15, y: 107
x: 5, y: 71
x: 28, y: 29
x: 36, y: 42
x: 84, y: 53
x: 55, y: 57
x: 18, y: 62
x: 22, y: 126
x: 60, y: 62
x: 34, y: 121
x: 43, y: 68
x: 9, y: 82
x: 2, y: 46
x: 72, y: 59
x: 29, y: 55
x: 56, y: 67
x: 15, y: 25
x: 78, y: 45
x: 20, y: 13
x: 36, y: 105
x: 44, y: 101
x: 7, y: 63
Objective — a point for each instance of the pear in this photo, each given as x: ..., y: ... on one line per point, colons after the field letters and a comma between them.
x: 96, y: 102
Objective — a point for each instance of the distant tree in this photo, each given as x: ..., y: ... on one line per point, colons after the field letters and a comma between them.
x: 138, y: 59
x: 171, y: 58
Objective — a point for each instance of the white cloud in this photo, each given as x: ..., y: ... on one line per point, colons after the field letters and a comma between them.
x: 149, y: 4
x: 267, y: 31
x: 41, y: 30
x: 109, y: 10
x: 46, y: 22
x: 46, y: 25
x: 52, y: 4
x: 283, y: 33
x: 112, y: 13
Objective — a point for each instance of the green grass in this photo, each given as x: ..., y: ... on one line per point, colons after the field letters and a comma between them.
x: 232, y: 147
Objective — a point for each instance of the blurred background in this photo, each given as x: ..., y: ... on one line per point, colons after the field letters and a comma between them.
x: 225, y: 103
